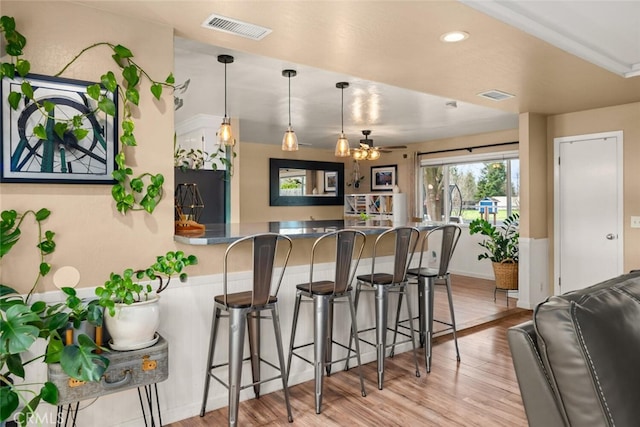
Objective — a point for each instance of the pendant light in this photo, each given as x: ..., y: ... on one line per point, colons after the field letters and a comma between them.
x: 290, y: 140
x: 342, y: 146
x: 225, y: 136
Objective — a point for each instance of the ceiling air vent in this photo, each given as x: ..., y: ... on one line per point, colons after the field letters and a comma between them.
x: 233, y: 26
x: 495, y: 95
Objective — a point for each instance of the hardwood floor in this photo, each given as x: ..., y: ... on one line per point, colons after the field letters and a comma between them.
x: 479, y: 391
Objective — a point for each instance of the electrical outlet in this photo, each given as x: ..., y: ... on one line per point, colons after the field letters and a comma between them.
x: 635, y: 222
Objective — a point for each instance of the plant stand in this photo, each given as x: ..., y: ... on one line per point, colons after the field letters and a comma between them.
x: 506, y: 274
x: 142, y: 369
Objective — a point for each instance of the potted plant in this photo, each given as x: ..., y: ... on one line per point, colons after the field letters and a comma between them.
x: 23, y: 322
x: 132, y: 311
x: 501, y: 248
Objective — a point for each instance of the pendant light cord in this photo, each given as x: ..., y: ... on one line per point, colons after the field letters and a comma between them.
x: 225, y: 89
x: 342, y: 110
x: 289, y: 99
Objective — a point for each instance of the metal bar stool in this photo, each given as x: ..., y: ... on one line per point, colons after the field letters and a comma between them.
x: 449, y: 235
x: 348, y: 246
x: 405, y: 241
x: 245, y: 308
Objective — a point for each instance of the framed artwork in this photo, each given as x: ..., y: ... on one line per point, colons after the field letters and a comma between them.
x: 330, y: 180
x: 87, y: 156
x: 383, y: 177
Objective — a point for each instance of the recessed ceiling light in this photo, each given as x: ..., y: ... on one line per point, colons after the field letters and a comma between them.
x: 454, y: 36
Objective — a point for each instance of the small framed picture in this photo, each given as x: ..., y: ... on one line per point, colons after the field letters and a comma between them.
x: 80, y: 143
x: 383, y: 177
x: 330, y: 179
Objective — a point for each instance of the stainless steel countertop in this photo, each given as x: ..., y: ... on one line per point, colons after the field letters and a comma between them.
x: 226, y: 233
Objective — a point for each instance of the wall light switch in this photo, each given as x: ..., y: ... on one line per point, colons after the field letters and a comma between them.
x: 635, y: 222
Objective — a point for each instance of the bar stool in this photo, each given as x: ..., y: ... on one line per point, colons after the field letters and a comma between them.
x: 449, y: 235
x: 405, y: 241
x: 348, y: 246
x: 246, y: 308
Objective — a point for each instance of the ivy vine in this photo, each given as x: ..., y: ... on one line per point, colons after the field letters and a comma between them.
x: 141, y: 192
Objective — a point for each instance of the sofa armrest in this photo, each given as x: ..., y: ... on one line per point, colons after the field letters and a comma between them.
x: 537, y: 395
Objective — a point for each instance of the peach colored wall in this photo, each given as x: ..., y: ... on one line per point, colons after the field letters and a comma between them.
x: 622, y: 117
x: 90, y: 234
x: 533, y: 175
x: 254, y: 184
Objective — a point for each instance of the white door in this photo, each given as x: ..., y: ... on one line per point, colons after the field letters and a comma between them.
x: 588, y: 210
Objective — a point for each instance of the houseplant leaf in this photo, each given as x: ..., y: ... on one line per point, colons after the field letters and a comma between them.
x: 17, y: 333
x: 79, y: 362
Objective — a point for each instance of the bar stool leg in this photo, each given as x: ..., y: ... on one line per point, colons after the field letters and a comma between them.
x: 382, y: 307
x: 429, y: 334
x: 403, y: 289
x: 395, y: 331
x: 320, y: 306
x: 237, y: 325
x: 294, y: 326
x: 422, y: 310
x: 215, y: 320
x: 253, y: 324
x: 329, y: 338
x: 354, y: 332
x: 283, y: 373
x: 453, y: 316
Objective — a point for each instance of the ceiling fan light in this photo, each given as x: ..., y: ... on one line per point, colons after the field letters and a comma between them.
x: 373, y: 154
x: 342, y: 146
x: 225, y: 136
x: 359, y: 154
x: 290, y: 140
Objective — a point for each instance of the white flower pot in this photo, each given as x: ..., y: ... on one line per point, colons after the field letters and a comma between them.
x: 134, y: 326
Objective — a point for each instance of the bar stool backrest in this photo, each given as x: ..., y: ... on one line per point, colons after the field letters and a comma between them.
x: 450, y: 235
x: 406, y: 240
x: 264, y: 248
x: 349, y: 245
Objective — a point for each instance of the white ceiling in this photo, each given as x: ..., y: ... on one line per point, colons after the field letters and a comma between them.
x: 605, y: 33
x: 257, y: 94
x: 401, y: 74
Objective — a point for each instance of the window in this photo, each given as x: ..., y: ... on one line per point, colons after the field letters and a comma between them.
x: 476, y: 186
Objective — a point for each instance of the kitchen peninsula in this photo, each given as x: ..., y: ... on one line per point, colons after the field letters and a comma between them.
x: 228, y: 233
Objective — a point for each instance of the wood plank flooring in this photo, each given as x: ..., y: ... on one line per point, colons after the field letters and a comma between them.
x: 479, y: 391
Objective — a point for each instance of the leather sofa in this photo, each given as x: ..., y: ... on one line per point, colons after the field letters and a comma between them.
x: 578, y: 360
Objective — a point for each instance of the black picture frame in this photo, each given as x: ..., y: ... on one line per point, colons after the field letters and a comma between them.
x: 25, y: 158
x: 329, y: 199
x: 384, y: 178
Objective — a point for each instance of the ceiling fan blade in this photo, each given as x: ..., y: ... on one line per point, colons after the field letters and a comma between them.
x: 393, y: 147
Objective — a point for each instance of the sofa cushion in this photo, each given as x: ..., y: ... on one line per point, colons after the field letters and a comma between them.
x: 590, y: 343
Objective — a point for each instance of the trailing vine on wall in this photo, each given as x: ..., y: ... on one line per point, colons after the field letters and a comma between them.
x: 130, y: 192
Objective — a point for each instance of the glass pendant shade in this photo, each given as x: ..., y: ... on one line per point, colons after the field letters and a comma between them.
x: 225, y: 136
x: 290, y: 140
x: 342, y: 146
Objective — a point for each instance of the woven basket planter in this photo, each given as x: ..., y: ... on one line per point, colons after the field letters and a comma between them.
x: 506, y: 273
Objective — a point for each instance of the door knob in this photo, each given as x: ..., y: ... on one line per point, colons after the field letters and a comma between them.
x: 611, y: 236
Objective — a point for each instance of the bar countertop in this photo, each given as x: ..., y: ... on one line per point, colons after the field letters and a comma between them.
x: 227, y: 233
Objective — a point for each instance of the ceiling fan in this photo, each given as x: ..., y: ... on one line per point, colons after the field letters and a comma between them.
x: 367, y: 151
